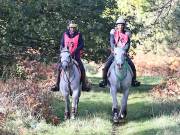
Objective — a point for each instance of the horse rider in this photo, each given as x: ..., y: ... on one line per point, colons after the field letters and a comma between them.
x: 73, y: 39
x: 119, y: 34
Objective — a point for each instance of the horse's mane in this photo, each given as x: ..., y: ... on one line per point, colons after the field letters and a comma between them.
x: 65, y: 49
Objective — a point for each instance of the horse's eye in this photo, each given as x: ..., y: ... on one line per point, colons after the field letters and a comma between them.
x: 115, y: 53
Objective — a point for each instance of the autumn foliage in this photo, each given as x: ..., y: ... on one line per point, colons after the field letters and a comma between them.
x: 154, y: 65
x: 30, y: 96
x: 165, y: 66
x: 168, y: 89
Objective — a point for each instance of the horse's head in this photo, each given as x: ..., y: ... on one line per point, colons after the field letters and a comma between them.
x: 119, y: 56
x: 65, y: 58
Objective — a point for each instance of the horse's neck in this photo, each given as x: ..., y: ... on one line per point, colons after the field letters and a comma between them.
x: 70, y: 71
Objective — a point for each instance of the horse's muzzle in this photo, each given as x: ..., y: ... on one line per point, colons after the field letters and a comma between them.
x: 119, y: 65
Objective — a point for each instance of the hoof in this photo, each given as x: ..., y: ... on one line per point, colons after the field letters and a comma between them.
x: 73, y: 116
x: 115, y: 121
x: 73, y: 113
x: 122, y: 118
x: 115, y: 117
x: 66, y: 115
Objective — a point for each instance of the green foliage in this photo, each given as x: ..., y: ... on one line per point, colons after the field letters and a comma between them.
x: 39, y: 24
x: 146, y: 116
x: 162, y: 27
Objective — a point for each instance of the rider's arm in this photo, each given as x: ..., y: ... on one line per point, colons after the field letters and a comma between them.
x: 112, y: 41
x: 81, y: 43
x: 62, y: 42
x: 127, y: 46
x: 79, y: 47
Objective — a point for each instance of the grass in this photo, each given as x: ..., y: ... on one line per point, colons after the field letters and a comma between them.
x: 146, y: 116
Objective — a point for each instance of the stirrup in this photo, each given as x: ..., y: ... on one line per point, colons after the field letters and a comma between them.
x: 54, y: 88
x: 85, y: 87
x: 102, y: 84
x: 136, y: 84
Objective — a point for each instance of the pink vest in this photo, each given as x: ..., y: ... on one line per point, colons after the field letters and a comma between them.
x: 118, y: 36
x: 72, y: 43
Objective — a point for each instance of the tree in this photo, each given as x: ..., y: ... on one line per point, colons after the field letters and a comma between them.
x: 39, y: 24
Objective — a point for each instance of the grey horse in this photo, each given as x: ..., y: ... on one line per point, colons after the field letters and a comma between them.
x: 69, y: 83
x: 119, y: 78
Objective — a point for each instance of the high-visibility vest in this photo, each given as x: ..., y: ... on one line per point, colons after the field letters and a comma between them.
x: 120, y: 37
x: 72, y: 43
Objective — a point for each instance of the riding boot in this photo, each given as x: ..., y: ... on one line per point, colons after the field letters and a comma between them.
x: 103, y: 83
x: 85, y: 87
x: 56, y: 86
x: 134, y: 81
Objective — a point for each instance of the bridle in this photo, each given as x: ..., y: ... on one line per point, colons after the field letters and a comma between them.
x: 124, y: 68
x: 69, y: 64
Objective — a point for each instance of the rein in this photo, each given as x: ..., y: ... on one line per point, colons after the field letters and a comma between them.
x: 70, y: 64
x: 68, y: 77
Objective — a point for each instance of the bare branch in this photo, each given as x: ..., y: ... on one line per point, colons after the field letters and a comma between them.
x: 167, y: 5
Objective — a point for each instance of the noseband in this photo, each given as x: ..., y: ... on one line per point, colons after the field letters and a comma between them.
x: 69, y: 63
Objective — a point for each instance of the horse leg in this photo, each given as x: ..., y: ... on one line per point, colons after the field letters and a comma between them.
x: 67, y: 109
x: 113, y: 91
x: 78, y: 100
x: 123, y: 111
x: 75, y: 101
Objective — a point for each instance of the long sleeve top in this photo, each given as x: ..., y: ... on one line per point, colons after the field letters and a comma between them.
x: 112, y: 40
